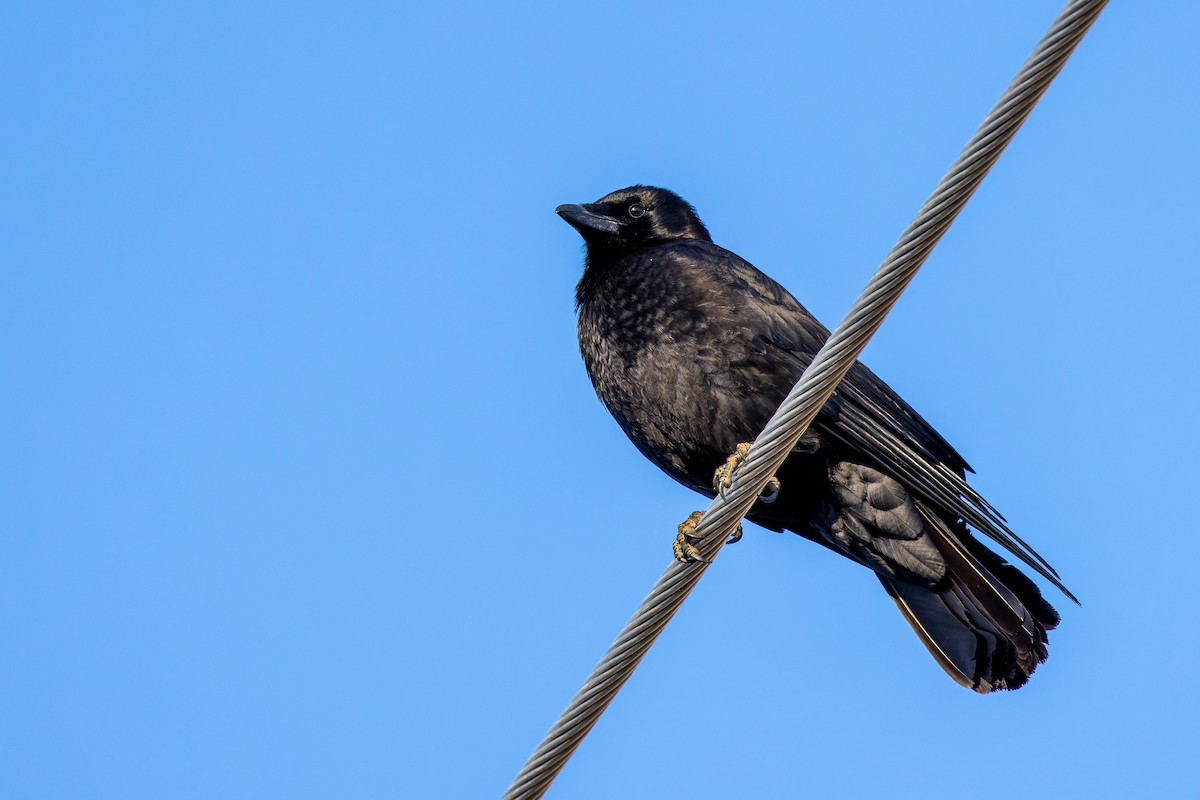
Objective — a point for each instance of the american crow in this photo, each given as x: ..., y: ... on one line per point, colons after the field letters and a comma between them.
x: 692, y: 349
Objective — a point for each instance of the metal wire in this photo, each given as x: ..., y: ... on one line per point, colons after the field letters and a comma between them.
x: 819, y: 381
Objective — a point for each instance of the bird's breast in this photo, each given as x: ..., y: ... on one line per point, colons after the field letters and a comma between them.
x: 655, y: 364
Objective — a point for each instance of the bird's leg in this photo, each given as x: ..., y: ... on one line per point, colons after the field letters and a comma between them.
x: 723, y: 478
x: 684, y: 548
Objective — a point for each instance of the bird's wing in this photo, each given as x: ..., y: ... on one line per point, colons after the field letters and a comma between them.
x: 868, y: 418
x: 865, y: 416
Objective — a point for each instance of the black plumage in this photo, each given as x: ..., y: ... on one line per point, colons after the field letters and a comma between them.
x: 692, y: 349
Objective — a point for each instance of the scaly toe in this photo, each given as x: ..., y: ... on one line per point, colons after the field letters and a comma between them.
x: 723, y: 477
x: 683, y: 548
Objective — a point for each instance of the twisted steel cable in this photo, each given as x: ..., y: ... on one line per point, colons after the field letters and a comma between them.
x: 814, y: 388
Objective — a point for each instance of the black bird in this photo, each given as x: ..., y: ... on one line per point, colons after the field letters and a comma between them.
x: 692, y: 349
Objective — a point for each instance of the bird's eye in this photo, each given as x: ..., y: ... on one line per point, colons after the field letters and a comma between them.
x: 636, y: 210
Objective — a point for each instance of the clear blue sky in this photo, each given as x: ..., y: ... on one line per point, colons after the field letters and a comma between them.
x: 304, y: 490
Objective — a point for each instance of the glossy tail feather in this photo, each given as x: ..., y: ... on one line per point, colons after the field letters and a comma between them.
x: 985, y: 623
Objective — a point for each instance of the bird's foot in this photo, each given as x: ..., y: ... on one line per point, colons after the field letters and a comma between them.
x: 685, y: 547
x: 685, y: 551
x: 723, y: 478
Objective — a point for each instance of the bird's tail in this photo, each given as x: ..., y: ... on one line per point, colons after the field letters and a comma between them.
x: 985, y: 622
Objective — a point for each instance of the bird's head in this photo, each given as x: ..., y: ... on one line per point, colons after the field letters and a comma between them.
x: 629, y: 219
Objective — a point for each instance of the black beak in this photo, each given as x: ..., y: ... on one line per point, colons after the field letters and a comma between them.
x: 582, y: 220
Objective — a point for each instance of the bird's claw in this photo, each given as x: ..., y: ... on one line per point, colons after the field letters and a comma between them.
x: 723, y: 477
x: 685, y: 547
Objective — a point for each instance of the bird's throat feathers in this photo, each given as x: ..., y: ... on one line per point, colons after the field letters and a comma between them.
x: 595, y: 269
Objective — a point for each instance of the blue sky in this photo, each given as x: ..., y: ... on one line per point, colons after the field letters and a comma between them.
x: 305, y: 492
